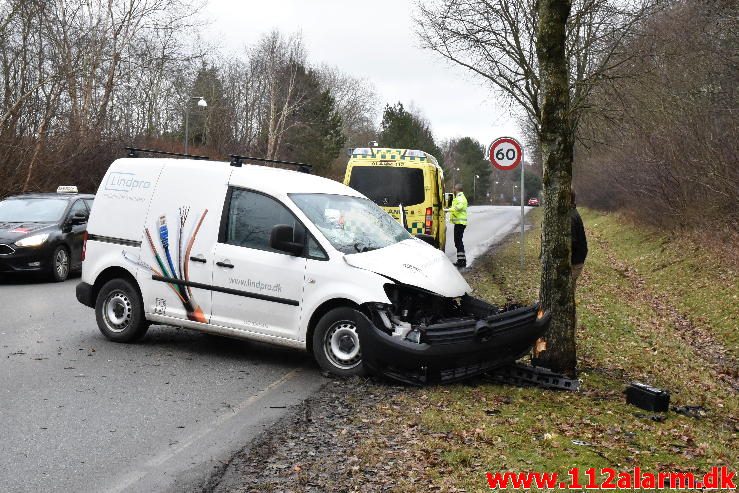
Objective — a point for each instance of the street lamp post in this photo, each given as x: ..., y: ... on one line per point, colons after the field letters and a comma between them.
x: 203, y: 104
x: 513, y: 198
x: 474, y: 188
x: 495, y: 191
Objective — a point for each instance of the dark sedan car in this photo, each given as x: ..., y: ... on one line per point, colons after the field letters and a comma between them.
x: 44, y: 232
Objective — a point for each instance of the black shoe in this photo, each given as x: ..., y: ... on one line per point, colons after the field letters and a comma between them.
x: 460, y: 264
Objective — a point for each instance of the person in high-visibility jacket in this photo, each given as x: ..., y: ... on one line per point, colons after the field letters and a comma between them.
x: 458, y: 217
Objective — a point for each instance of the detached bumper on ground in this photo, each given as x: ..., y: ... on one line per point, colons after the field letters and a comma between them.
x: 453, y: 349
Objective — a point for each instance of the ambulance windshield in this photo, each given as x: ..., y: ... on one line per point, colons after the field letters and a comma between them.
x: 389, y: 186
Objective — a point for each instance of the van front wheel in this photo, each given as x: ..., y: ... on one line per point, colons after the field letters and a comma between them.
x: 336, y: 342
x: 119, y: 311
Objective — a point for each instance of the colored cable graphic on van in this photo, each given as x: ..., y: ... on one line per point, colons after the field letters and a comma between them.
x: 168, y: 269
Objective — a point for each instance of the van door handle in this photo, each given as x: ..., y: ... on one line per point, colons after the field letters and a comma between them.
x: 224, y: 264
x: 199, y: 258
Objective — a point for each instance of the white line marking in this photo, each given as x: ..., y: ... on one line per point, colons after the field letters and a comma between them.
x: 163, y: 457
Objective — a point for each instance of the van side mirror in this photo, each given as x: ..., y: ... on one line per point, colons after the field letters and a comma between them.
x: 282, y: 239
x: 448, y: 199
x: 79, y: 218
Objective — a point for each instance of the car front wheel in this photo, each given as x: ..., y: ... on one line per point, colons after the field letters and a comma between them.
x: 119, y: 311
x: 336, y: 342
x: 60, y: 264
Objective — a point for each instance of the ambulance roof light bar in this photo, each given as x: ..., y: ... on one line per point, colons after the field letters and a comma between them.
x: 413, y: 153
x: 237, y: 161
x: 134, y: 152
x: 363, y: 151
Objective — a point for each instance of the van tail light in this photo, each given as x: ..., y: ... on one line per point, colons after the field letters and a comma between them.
x: 84, y: 245
x: 429, y: 220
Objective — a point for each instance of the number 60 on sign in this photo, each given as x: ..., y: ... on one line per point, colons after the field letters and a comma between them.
x: 505, y: 153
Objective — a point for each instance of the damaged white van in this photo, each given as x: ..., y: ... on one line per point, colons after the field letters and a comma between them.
x: 287, y: 258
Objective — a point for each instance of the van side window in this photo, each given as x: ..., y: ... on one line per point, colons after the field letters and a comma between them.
x: 314, y: 249
x: 252, y: 216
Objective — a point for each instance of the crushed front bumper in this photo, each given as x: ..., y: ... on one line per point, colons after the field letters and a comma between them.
x: 453, y: 349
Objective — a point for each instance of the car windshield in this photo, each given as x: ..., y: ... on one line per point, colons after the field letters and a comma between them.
x: 389, y: 186
x: 32, y: 210
x: 351, y: 224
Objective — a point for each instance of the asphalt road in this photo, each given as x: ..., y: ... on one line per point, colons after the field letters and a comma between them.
x: 486, y: 226
x: 80, y: 413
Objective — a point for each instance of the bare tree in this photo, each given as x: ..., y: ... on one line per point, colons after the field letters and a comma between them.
x: 356, y: 101
x: 73, y: 75
x: 557, y: 143
x: 666, y: 149
x: 545, y: 56
x: 496, y: 39
x: 80, y: 78
x: 278, y: 61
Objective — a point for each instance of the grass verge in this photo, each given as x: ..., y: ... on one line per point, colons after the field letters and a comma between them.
x: 446, y: 438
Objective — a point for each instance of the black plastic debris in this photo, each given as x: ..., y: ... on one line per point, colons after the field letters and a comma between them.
x: 648, y: 398
x: 696, y: 412
x: 519, y: 374
x: 657, y: 418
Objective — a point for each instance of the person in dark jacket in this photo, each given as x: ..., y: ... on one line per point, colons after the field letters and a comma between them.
x: 579, y: 241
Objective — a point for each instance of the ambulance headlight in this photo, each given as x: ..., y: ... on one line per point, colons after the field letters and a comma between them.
x: 33, y: 241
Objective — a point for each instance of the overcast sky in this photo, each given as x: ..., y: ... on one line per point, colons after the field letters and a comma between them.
x: 377, y: 41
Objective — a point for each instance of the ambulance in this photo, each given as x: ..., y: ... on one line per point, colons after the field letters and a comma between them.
x: 408, y: 184
x: 253, y: 252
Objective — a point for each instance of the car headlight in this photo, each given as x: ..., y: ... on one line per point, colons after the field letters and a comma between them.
x: 33, y: 241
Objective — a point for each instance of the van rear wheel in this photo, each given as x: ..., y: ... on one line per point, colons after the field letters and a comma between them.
x: 336, y: 343
x: 119, y: 311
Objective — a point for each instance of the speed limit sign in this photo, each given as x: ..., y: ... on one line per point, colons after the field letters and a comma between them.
x: 505, y: 153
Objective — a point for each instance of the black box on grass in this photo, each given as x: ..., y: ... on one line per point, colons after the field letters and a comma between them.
x: 648, y: 398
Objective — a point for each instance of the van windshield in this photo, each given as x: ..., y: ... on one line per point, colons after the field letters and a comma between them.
x: 351, y: 224
x: 389, y: 186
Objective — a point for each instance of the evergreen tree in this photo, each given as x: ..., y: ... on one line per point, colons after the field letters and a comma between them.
x: 531, y: 183
x: 316, y: 136
x: 404, y: 130
x: 469, y: 156
x: 209, y: 126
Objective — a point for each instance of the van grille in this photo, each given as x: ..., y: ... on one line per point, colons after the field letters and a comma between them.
x: 451, y: 332
x: 6, y: 250
x: 458, y: 330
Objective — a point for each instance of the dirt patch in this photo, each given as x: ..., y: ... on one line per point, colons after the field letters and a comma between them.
x: 315, y: 449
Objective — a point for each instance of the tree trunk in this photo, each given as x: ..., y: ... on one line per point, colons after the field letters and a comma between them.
x: 557, y: 145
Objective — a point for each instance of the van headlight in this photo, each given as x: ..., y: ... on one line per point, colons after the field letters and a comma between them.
x: 33, y: 241
x: 414, y: 336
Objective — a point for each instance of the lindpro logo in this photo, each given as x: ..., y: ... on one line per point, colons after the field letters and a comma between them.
x: 125, y: 182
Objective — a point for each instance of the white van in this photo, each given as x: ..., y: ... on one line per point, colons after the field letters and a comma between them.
x: 287, y: 258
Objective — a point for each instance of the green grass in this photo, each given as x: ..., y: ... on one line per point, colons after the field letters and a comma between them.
x: 454, y: 434
x: 690, y: 274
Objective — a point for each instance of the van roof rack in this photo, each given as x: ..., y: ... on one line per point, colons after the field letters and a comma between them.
x: 134, y: 152
x: 238, y: 161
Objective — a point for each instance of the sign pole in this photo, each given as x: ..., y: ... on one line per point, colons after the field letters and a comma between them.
x: 505, y: 153
x: 523, y: 164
